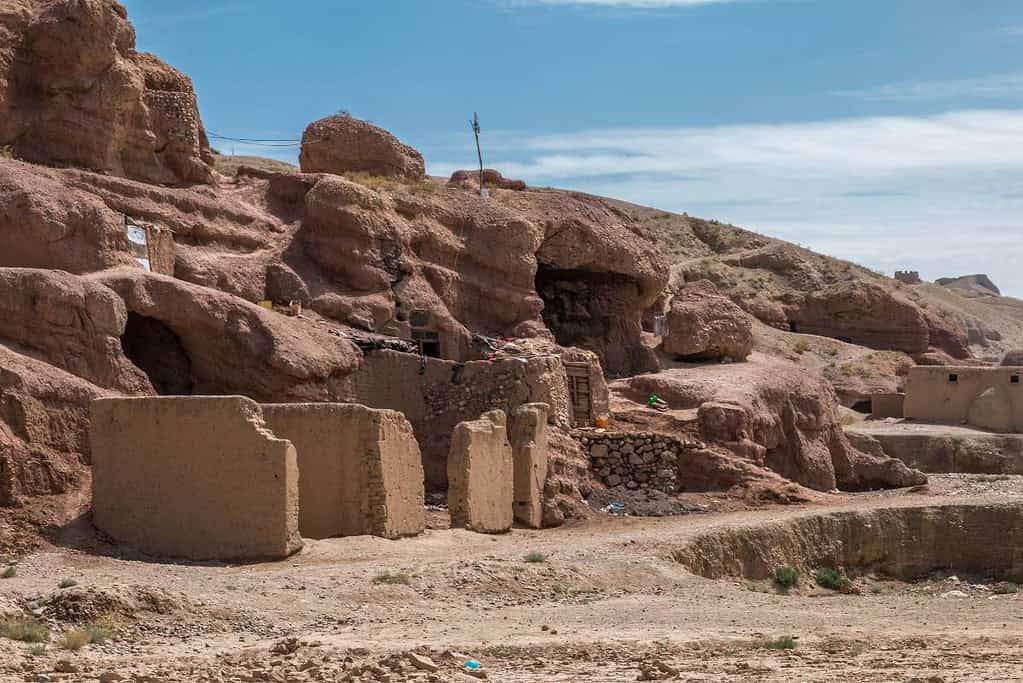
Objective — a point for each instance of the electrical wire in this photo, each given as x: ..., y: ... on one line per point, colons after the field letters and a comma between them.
x: 259, y: 142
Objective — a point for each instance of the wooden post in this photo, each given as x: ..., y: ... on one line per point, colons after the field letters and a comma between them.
x: 476, y: 132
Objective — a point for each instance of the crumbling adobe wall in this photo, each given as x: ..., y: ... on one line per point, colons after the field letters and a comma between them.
x: 360, y: 469
x: 527, y: 431
x: 435, y: 395
x: 481, y: 474
x: 194, y: 477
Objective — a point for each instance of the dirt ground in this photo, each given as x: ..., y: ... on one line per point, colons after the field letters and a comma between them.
x: 597, y: 601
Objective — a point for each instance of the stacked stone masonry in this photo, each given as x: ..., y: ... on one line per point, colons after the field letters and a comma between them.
x: 635, y: 460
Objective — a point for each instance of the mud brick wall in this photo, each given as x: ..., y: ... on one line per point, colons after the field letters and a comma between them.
x: 481, y: 475
x: 199, y: 477
x: 360, y: 470
x: 636, y: 460
x: 435, y: 395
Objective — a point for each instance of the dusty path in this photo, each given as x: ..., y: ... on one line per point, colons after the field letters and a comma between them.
x: 607, y: 600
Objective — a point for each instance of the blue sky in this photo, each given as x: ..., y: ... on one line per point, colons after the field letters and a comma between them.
x: 889, y: 132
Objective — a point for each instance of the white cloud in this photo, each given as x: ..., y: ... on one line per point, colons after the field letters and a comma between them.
x: 989, y: 86
x: 940, y: 194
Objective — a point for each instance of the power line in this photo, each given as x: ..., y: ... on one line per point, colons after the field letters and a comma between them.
x: 260, y: 142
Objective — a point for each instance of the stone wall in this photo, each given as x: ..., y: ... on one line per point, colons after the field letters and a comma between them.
x: 360, y: 469
x: 481, y: 474
x: 636, y: 460
x: 194, y: 477
x: 435, y: 395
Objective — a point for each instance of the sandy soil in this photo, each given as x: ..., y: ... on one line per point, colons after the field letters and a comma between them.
x: 606, y: 604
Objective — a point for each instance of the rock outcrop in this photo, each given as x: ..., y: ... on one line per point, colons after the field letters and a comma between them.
x: 1013, y: 358
x: 194, y: 340
x: 979, y: 283
x: 44, y: 428
x: 492, y: 178
x: 75, y: 92
x: 705, y: 325
x: 69, y: 322
x: 775, y: 414
x: 342, y: 144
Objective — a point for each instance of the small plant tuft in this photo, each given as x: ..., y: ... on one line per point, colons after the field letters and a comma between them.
x: 24, y: 629
x: 1005, y: 588
x: 535, y: 557
x: 782, y: 643
x: 37, y: 650
x: 832, y: 580
x: 67, y: 583
x: 9, y: 573
x: 393, y: 578
x: 786, y: 577
x: 801, y: 347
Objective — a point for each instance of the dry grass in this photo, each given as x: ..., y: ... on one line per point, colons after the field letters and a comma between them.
x: 388, y: 184
x: 25, y: 629
x: 74, y: 639
x: 393, y: 578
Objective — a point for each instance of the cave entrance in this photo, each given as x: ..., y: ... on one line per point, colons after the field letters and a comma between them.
x: 576, y: 304
x: 157, y: 351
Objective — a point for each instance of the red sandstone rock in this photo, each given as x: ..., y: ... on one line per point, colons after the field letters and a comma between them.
x: 191, y: 339
x: 74, y: 92
x: 774, y: 412
x: 44, y: 428
x: 69, y: 322
x: 470, y: 180
x: 339, y: 144
x: 705, y: 325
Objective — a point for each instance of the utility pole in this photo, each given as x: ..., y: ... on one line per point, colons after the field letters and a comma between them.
x: 476, y: 132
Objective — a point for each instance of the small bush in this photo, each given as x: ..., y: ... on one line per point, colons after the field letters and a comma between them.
x: 832, y: 580
x: 74, y: 639
x: 395, y: 578
x: 801, y: 347
x: 535, y: 557
x: 783, y: 643
x: 6, y: 152
x: 37, y: 650
x: 25, y: 629
x: 9, y: 573
x: 67, y: 583
x: 786, y: 577
x: 1006, y: 588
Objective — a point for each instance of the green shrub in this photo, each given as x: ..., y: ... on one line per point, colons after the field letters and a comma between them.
x: 24, y: 629
x: 396, y: 578
x: 67, y: 583
x: 786, y: 577
x: 783, y: 643
x: 1006, y: 588
x: 535, y: 557
x: 9, y: 573
x: 832, y: 580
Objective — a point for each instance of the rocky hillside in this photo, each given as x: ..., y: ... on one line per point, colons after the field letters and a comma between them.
x: 97, y: 136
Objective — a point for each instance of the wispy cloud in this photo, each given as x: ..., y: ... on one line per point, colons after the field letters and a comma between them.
x: 927, y: 193
x: 1002, y: 85
x: 1011, y: 30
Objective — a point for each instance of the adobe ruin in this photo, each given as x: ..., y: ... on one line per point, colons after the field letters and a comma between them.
x: 360, y: 470
x: 527, y: 431
x: 986, y: 397
x: 209, y: 477
x: 481, y: 475
x: 197, y: 477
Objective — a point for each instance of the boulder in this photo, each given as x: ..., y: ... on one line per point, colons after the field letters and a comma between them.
x: 341, y: 144
x: 75, y: 92
x: 703, y: 324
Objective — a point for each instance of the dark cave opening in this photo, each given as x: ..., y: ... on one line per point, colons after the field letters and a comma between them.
x: 577, y: 307
x: 157, y: 351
